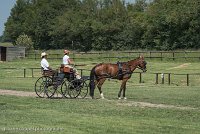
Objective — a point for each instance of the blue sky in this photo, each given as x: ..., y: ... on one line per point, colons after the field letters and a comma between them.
x: 5, y: 8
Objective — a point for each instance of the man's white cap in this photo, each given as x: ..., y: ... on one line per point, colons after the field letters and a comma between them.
x: 43, y: 54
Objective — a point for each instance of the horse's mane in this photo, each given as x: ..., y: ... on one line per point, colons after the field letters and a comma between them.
x: 133, y: 59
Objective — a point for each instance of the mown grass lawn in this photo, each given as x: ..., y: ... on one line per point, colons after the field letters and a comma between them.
x: 100, y: 116
x: 13, y: 78
x: 36, y: 115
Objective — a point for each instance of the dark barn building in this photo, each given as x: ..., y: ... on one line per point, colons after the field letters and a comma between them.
x: 8, y: 53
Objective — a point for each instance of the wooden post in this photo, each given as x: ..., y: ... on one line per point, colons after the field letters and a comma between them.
x: 187, y: 79
x: 169, y: 78
x: 156, y: 78
x: 24, y: 73
x: 163, y: 78
x: 140, y: 78
x: 173, y: 56
x: 161, y: 56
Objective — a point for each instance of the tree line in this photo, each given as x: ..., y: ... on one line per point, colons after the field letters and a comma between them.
x: 86, y: 25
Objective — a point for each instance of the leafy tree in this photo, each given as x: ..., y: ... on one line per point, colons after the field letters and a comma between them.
x: 106, y: 24
x: 169, y: 23
x: 15, y: 24
x: 24, y: 40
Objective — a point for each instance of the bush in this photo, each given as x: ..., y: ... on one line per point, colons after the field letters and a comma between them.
x: 25, y: 41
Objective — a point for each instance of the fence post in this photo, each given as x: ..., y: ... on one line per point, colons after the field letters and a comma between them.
x: 187, y: 79
x: 156, y: 78
x: 161, y: 56
x: 162, y: 77
x: 32, y: 72
x: 173, y: 56
x: 24, y: 73
x: 140, y: 77
x: 169, y: 78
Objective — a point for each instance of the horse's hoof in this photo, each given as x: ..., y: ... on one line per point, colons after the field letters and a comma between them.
x: 119, y: 98
x: 102, y: 97
x: 125, y: 98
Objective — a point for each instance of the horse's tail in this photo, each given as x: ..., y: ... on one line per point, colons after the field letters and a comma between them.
x: 92, y: 82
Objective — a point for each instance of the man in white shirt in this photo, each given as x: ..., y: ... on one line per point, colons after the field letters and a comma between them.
x: 45, y: 65
x: 67, y: 62
x: 44, y: 62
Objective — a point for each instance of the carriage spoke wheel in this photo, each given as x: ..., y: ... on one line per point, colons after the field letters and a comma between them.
x: 83, y: 89
x: 64, y: 89
x: 41, y: 86
x: 50, y: 87
x: 74, y: 88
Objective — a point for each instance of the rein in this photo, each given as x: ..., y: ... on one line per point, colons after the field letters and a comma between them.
x: 136, y: 67
x: 139, y: 68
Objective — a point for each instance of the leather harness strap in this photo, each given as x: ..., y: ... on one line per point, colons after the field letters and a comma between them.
x: 120, y: 72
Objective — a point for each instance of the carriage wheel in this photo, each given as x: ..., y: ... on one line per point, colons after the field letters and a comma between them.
x: 50, y: 87
x: 84, y: 89
x: 74, y: 87
x: 64, y: 89
x: 42, y: 85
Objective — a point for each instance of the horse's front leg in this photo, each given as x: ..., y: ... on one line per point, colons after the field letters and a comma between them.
x: 123, y: 87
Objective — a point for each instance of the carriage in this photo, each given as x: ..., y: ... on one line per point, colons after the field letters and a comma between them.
x: 48, y: 85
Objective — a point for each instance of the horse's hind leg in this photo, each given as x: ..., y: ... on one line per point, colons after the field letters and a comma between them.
x: 99, y: 85
x: 124, y: 96
x: 119, y: 94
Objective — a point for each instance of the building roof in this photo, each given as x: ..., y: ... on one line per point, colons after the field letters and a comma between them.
x: 6, y: 44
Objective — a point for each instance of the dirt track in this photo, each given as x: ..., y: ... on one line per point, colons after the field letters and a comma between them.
x: 119, y: 103
x: 17, y: 93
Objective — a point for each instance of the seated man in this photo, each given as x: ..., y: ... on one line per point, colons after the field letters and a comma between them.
x: 67, y: 62
x: 46, y: 70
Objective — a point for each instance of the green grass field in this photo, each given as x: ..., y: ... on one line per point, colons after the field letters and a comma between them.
x: 149, y: 109
x: 104, y: 116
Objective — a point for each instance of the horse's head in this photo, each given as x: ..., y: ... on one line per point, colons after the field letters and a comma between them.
x: 142, y: 64
x: 138, y: 63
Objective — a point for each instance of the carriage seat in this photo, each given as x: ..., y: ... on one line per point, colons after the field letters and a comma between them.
x: 47, y: 72
x: 65, y: 69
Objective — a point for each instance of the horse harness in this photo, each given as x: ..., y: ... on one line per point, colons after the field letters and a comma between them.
x: 122, y: 72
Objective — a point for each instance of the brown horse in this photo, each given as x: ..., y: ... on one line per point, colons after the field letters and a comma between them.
x: 121, y: 71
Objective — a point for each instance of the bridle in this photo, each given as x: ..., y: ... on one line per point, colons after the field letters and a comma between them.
x: 143, y: 69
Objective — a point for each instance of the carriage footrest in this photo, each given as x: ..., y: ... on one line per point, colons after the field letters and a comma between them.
x: 59, y: 79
